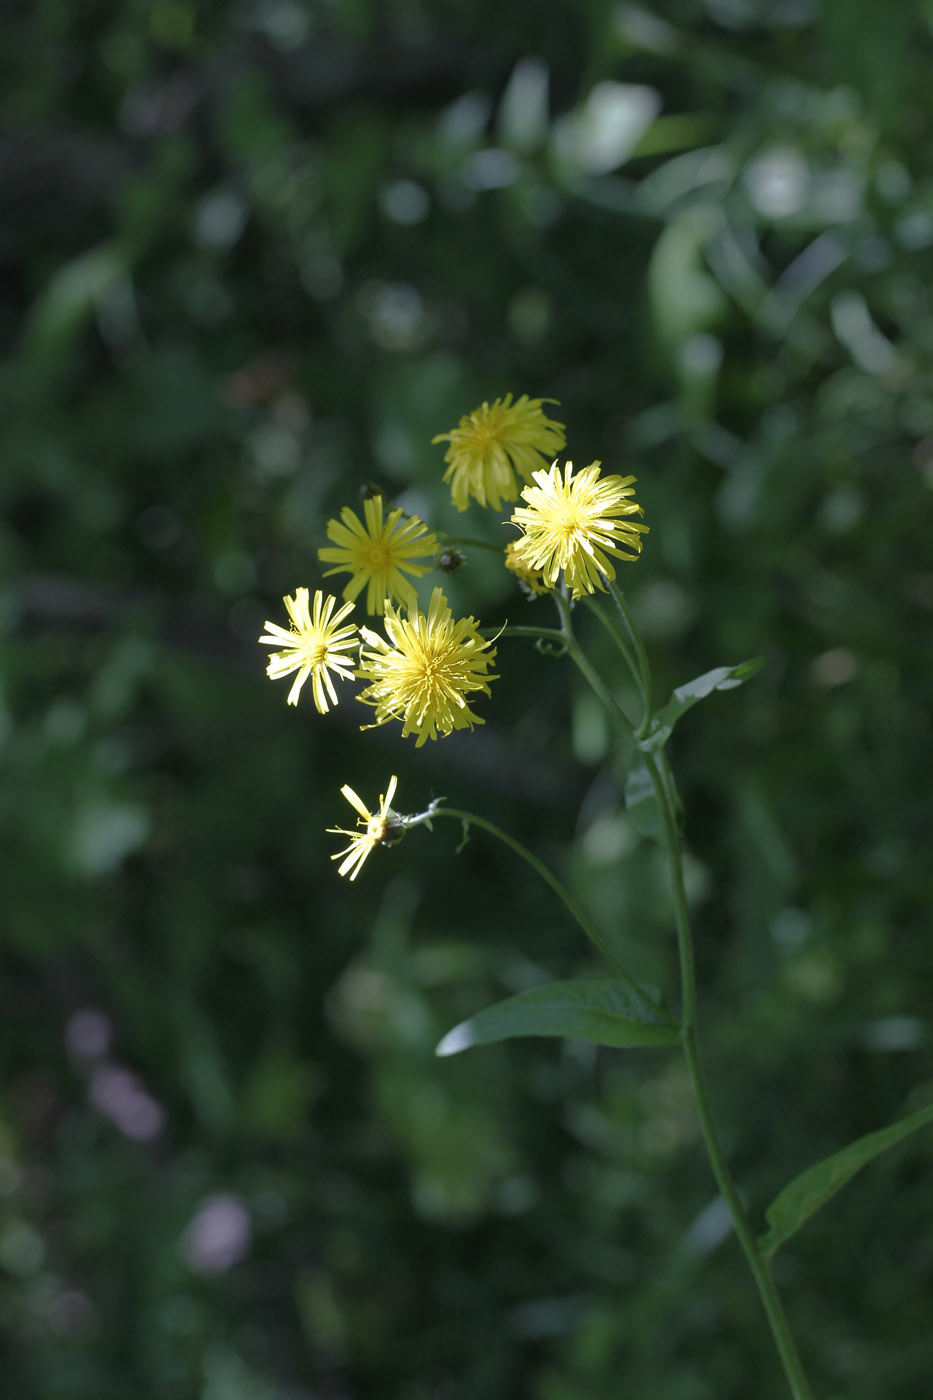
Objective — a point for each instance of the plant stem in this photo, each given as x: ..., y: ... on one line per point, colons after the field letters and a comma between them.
x: 624, y: 646
x: 662, y: 782
x: 773, y: 1307
x: 544, y: 634
x: 468, y: 543
x: 563, y: 894
x: 643, y: 674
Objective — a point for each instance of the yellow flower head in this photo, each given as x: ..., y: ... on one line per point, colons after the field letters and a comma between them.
x: 376, y: 826
x: 493, y: 443
x: 424, y: 672
x: 377, y: 554
x: 571, y: 524
x: 530, y: 580
x: 313, y: 647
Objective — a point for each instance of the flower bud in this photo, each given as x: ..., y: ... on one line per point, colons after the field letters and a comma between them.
x: 450, y: 559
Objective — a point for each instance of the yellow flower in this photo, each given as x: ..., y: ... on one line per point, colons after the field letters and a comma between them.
x: 378, y: 554
x: 424, y: 672
x: 375, y: 826
x: 529, y: 579
x: 569, y: 524
x: 493, y: 443
x: 313, y: 647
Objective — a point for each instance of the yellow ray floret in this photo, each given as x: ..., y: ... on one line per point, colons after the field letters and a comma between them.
x: 377, y: 552
x: 530, y: 580
x: 424, y: 672
x: 494, y: 442
x: 571, y: 524
x: 375, y: 828
x: 315, y: 645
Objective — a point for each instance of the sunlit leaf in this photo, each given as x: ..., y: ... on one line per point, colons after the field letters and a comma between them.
x: 686, y: 696
x: 603, y: 1012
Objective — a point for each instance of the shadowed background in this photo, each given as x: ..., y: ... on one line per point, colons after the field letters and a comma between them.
x: 252, y: 257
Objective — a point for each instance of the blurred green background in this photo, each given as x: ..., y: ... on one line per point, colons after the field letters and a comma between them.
x: 253, y: 256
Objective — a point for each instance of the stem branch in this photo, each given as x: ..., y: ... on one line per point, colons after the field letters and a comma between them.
x: 545, y: 634
x: 563, y: 894
x: 643, y: 671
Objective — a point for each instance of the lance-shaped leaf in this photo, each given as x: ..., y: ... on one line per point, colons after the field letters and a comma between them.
x: 814, y: 1187
x: 604, y: 1012
x: 686, y: 696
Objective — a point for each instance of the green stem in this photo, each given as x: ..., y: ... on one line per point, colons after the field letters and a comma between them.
x: 546, y: 634
x: 643, y: 670
x: 563, y: 894
x: 468, y: 543
x: 773, y: 1307
x: 595, y: 681
x: 623, y: 645
x: 662, y: 782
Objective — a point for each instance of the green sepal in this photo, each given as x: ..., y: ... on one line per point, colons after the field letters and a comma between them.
x: 803, y: 1197
x: 686, y: 696
x: 604, y: 1011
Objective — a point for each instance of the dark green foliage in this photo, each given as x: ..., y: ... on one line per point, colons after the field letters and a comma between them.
x: 252, y: 258
x: 599, y: 1011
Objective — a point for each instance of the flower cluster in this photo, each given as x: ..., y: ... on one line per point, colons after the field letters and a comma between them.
x: 420, y: 673
x: 427, y: 669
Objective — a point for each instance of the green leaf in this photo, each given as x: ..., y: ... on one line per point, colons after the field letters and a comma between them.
x: 686, y: 696
x: 640, y: 802
x: 604, y: 1012
x: 685, y: 299
x: 642, y: 805
x: 70, y: 298
x: 814, y: 1187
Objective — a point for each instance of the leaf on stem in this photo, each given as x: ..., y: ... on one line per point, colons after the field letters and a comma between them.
x: 606, y: 1011
x: 803, y: 1197
x: 686, y: 696
x: 641, y: 802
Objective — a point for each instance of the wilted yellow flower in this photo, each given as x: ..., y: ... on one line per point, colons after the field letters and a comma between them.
x: 530, y: 579
x: 424, y: 672
x: 313, y: 647
x: 375, y: 829
x: 570, y: 524
x: 493, y: 443
x: 378, y: 554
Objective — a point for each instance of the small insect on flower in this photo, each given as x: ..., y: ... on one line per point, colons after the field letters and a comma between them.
x: 376, y: 828
x: 424, y: 672
x: 571, y: 524
x: 378, y: 553
x: 314, y: 646
x: 494, y: 442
